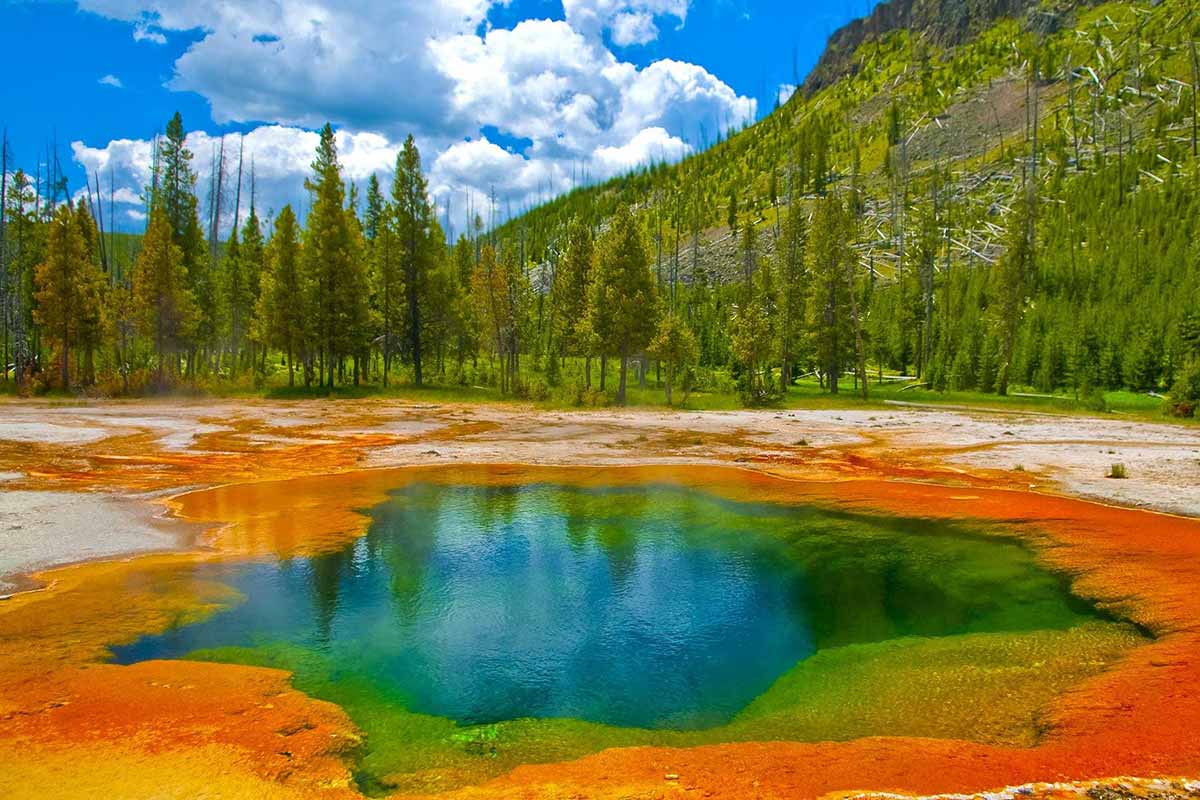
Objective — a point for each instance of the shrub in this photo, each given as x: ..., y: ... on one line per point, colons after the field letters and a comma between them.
x: 1185, y: 394
x: 1092, y: 399
x: 553, y: 370
x: 537, y: 390
x: 588, y: 398
x: 715, y: 381
x: 1117, y: 472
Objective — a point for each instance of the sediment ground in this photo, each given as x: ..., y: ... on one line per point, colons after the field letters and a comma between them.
x: 138, y: 490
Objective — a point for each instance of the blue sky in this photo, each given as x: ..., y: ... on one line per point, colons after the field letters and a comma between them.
x: 525, y: 96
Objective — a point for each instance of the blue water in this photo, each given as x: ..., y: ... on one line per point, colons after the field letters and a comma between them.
x: 485, y: 604
x: 650, y: 606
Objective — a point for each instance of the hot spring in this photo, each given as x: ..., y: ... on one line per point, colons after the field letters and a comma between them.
x: 474, y: 627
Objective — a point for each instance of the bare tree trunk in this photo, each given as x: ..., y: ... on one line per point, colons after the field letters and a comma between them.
x: 1195, y: 91
x: 1074, y: 116
x: 65, y: 359
x: 860, y: 374
x: 621, y: 386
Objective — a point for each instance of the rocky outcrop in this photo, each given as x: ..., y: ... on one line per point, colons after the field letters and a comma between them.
x: 943, y: 22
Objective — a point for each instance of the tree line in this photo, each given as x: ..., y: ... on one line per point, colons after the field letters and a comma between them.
x: 824, y: 243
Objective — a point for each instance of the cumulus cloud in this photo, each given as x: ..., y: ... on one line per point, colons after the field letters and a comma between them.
x: 143, y: 32
x: 111, y: 80
x: 629, y: 22
x: 547, y: 82
x: 466, y: 174
x: 786, y: 90
x: 279, y: 156
x: 438, y: 70
x: 629, y: 29
x: 361, y: 63
x: 648, y: 146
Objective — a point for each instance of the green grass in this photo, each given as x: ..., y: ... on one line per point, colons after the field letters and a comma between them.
x: 804, y: 394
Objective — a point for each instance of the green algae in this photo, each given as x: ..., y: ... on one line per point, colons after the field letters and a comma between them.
x: 987, y: 687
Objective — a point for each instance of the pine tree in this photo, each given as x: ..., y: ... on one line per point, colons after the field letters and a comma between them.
x: 95, y: 312
x: 791, y: 266
x: 356, y: 293
x: 1013, y: 276
x: 65, y: 288
x: 755, y: 333
x: 674, y: 345
x: 253, y: 258
x: 516, y: 295
x: 622, y: 302
x: 24, y: 240
x: 165, y: 309
x: 487, y: 291
x: 571, y: 286
x: 387, y: 254
x: 830, y: 320
x: 441, y: 317
x: 174, y: 189
x: 328, y: 260
x: 924, y: 257
x: 284, y: 310
x: 373, y: 217
x: 501, y: 292
x: 236, y: 299
x: 413, y: 217
x: 467, y: 313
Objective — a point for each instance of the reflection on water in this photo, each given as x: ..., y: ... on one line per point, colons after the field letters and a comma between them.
x: 653, y: 606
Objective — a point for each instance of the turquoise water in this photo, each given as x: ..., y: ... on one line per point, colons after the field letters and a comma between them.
x: 654, y: 606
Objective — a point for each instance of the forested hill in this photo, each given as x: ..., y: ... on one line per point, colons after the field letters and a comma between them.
x: 969, y: 195
x: 1022, y: 180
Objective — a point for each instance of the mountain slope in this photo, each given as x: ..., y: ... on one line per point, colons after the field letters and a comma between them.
x: 945, y: 23
x: 925, y: 112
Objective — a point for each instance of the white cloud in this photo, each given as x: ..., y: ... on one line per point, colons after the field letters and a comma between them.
x: 280, y: 157
x: 682, y: 97
x: 651, y: 145
x: 360, y: 63
x: 433, y: 68
x: 633, y: 28
x: 124, y: 195
x: 467, y: 173
x: 111, y: 80
x: 143, y: 32
x: 532, y: 81
x: 785, y: 92
x: 546, y: 82
x: 628, y: 21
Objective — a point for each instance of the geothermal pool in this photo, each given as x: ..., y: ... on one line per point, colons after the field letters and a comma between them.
x: 478, y: 626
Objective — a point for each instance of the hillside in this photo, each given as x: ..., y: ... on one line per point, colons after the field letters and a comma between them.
x: 946, y: 23
x: 931, y: 115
